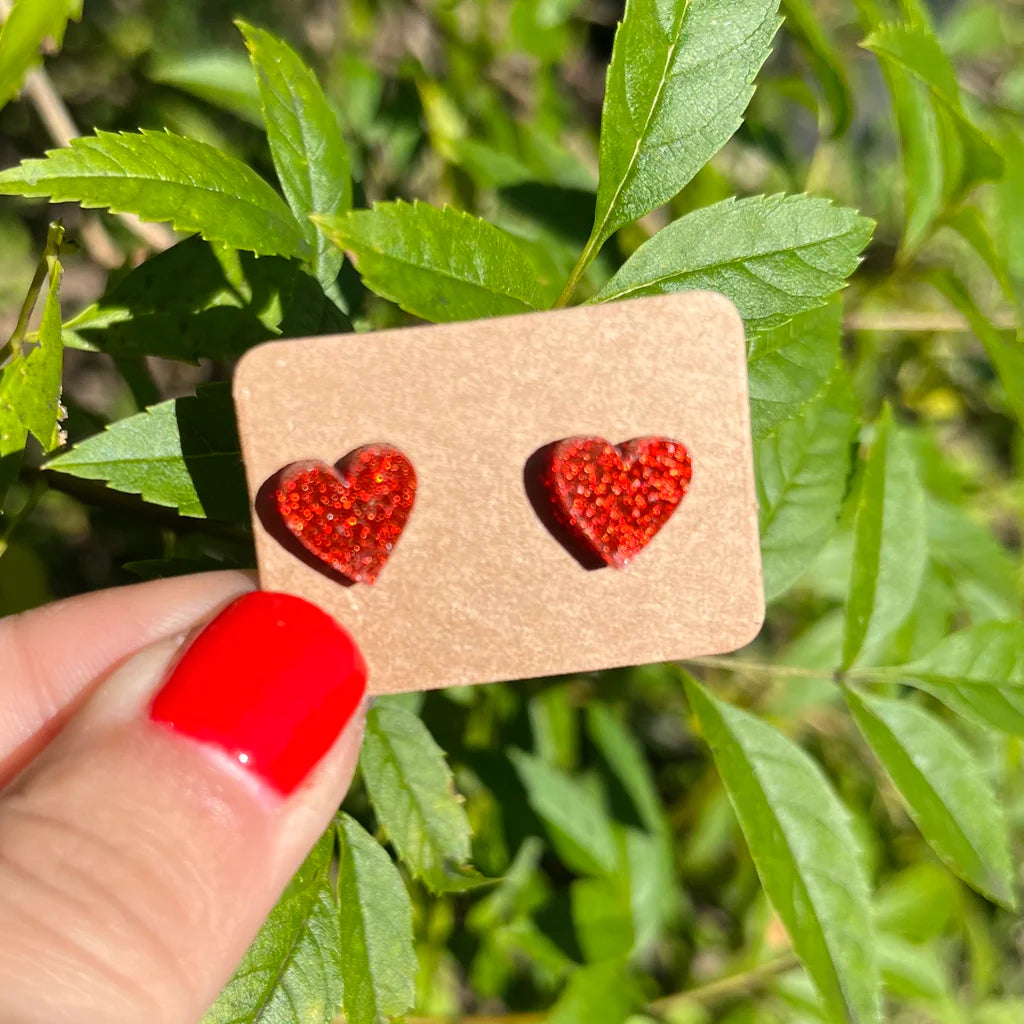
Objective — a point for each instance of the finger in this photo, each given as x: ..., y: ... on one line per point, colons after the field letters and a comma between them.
x: 50, y: 657
x: 143, y: 849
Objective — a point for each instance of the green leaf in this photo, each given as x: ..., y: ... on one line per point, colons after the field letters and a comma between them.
x: 790, y: 364
x: 577, y: 822
x: 977, y: 672
x: 292, y: 972
x: 600, y: 994
x: 163, y: 177
x: 22, y: 35
x: 30, y: 386
x: 805, y: 23
x: 440, y: 265
x: 413, y: 795
x: 624, y: 755
x: 377, y: 955
x: 774, y: 256
x: 945, y: 154
x: 1005, y: 353
x: 946, y: 793
x: 223, y: 79
x: 890, y: 542
x: 802, y: 473
x: 183, y: 453
x: 602, y: 918
x: 680, y: 77
x: 197, y: 301
x: 309, y: 153
x: 805, y: 852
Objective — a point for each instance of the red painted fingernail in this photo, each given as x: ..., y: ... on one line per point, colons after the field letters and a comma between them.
x: 272, y: 681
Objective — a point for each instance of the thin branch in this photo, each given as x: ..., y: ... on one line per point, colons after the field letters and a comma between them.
x: 764, y: 668
x: 54, y: 240
x: 922, y: 323
x: 13, y: 521
x: 61, y: 127
x: 738, y: 984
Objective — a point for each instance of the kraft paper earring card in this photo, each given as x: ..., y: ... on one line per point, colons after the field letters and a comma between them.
x: 516, y: 497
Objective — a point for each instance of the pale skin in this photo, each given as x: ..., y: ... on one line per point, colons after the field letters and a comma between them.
x: 135, y: 865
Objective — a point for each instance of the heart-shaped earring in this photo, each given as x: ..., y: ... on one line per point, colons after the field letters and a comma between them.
x: 615, y: 498
x: 351, y: 516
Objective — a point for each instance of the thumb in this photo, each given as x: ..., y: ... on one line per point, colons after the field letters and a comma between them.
x: 141, y: 852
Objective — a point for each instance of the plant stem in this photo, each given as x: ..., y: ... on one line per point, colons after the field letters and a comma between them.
x: 586, y: 258
x: 54, y: 239
x: 13, y: 521
x: 764, y: 668
x: 740, y: 983
x: 922, y: 323
x: 61, y: 127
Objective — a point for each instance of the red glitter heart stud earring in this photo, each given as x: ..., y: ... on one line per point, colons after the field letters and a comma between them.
x: 349, y: 517
x: 615, y: 498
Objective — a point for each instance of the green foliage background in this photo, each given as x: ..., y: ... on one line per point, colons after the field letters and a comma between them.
x: 824, y: 827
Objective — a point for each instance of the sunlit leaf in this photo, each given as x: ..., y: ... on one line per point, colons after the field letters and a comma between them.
x: 292, y: 972
x: 802, y: 472
x: 680, y: 77
x: 803, y: 847
x: 377, y: 955
x: 439, y: 264
x: 946, y: 793
x: 310, y: 156
x: 774, y: 256
x: 183, y: 453
x: 890, y: 542
x: 164, y: 177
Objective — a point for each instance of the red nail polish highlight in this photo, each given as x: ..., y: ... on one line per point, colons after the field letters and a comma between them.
x: 272, y: 680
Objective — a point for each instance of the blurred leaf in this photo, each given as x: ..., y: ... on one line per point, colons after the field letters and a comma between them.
x: 774, y: 256
x: 197, y: 301
x: 1005, y: 354
x: 21, y: 37
x: 30, y: 385
x: 310, y: 156
x: 224, y: 79
x: 378, y: 961
x: 680, y: 77
x: 944, y: 152
x: 969, y: 554
x: 1010, y: 211
x: 805, y: 852
x: 414, y: 798
x: 438, y: 264
x: 945, y: 791
x: 890, y: 545
x: 578, y: 824
x: 602, y: 918
x: 969, y: 224
x: 554, y: 724
x: 913, y: 972
x: 292, y: 972
x: 802, y: 475
x: 600, y: 994
x: 183, y: 453
x: 164, y: 177
x: 624, y: 755
x: 918, y: 903
x: 978, y: 672
x: 806, y: 24
x: 790, y: 364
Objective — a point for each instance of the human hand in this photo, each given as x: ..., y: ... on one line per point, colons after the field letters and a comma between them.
x: 159, y: 788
